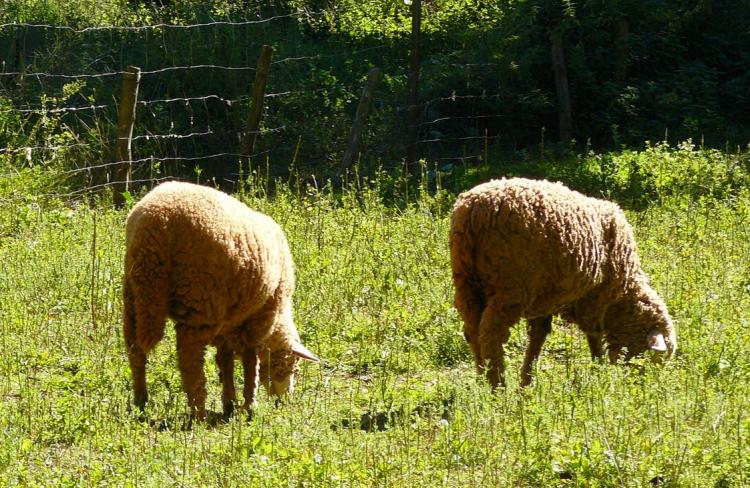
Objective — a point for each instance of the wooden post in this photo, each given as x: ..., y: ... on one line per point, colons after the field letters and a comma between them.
x: 564, y: 111
x: 125, y: 122
x: 416, y: 26
x: 93, y: 276
x: 256, y: 104
x: 373, y: 78
x: 16, y: 59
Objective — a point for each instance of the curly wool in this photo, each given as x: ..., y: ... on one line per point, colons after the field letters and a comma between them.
x: 224, y: 274
x: 533, y: 249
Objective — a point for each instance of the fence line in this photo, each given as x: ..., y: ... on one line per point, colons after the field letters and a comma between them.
x: 55, y: 110
x: 108, y: 184
x: 198, y: 134
x: 171, y: 136
x: 457, y: 158
x: 35, y: 148
x: 155, y: 26
x: 455, y: 97
x: 333, y: 55
x: 467, y: 138
x: 462, y: 117
x: 42, y: 74
x: 228, y: 101
x: 197, y: 66
x: 115, y: 73
x: 57, y: 75
x: 198, y: 127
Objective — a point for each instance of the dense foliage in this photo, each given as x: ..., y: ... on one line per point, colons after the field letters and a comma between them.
x: 646, y: 70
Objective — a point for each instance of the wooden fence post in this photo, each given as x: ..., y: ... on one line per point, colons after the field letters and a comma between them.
x: 256, y: 104
x: 416, y: 23
x: 373, y: 78
x: 125, y: 122
x: 16, y: 59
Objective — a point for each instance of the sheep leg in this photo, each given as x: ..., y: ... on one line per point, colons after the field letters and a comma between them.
x: 614, y: 352
x: 595, y: 345
x: 494, y: 331
x: 190, y: 358
x: 136, y: 355
x: 538, y: 329
x: 471, y: 334
x: 469, y: 301
x: 250, y: 364
x: 225, y: 363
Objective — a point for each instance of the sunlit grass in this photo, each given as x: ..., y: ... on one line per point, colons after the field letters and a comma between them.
x: 395, y: 401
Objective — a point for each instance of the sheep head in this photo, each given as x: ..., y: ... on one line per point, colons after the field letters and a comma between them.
x: 640, y: 324
x: 278, y: 368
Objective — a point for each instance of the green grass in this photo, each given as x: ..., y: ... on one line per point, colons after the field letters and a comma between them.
x: 395, y: 401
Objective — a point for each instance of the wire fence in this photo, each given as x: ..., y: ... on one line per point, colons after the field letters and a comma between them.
x: 60, y: 88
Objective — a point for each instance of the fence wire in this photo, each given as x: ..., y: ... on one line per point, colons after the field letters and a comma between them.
x: 192, y: 112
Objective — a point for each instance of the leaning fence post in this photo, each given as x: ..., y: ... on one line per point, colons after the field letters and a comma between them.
x: 416, y: 22
x: 125, y: 121
x: 256, y: 104
x: 373, y: 78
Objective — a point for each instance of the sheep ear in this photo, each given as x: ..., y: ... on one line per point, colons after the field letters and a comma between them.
x: 656, y: 341
x: 304, y: 353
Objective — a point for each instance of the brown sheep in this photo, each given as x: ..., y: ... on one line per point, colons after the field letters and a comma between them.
x: 225, y: 275
x: 534, y: 249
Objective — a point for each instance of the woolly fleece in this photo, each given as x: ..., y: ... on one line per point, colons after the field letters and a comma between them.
x: 225, y: 275
x: 533, y: 249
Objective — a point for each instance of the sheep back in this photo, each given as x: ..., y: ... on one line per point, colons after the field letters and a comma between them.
x: 207, y: 258
x: 543, y: 249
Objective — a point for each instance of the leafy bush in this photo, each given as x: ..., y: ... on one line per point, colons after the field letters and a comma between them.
x: 661, y: 171
x: 632, y: 177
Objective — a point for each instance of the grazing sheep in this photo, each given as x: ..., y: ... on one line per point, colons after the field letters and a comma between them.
x: 533, y: 249
x: 225, y: 275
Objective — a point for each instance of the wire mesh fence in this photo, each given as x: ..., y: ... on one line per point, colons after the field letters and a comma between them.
x: 60, y: 88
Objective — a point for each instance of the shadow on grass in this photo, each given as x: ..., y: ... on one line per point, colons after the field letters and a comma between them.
x: 185, y: 422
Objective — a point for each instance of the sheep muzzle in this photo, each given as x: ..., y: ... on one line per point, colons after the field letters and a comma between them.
x: 656, y: 341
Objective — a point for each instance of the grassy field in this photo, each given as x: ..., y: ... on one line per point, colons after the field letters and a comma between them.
x: 395, y: 400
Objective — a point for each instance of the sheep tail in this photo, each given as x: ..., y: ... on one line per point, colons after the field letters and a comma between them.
x: 469, y: 298
x: 128, y: 315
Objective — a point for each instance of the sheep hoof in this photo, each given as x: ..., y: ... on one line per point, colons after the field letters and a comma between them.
x: 249, y: 406
x: 249, y: 409
x: 197, y: 414
x: 495, y: 378
x: 139, y: 400
x: 228, y: 410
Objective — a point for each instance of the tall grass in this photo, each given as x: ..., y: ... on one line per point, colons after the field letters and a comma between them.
x: 395, y: 401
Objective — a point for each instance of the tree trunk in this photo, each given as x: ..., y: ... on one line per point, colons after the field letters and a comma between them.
x: 416, y: 23
x: 565, y: 117
x: 621, y: 50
